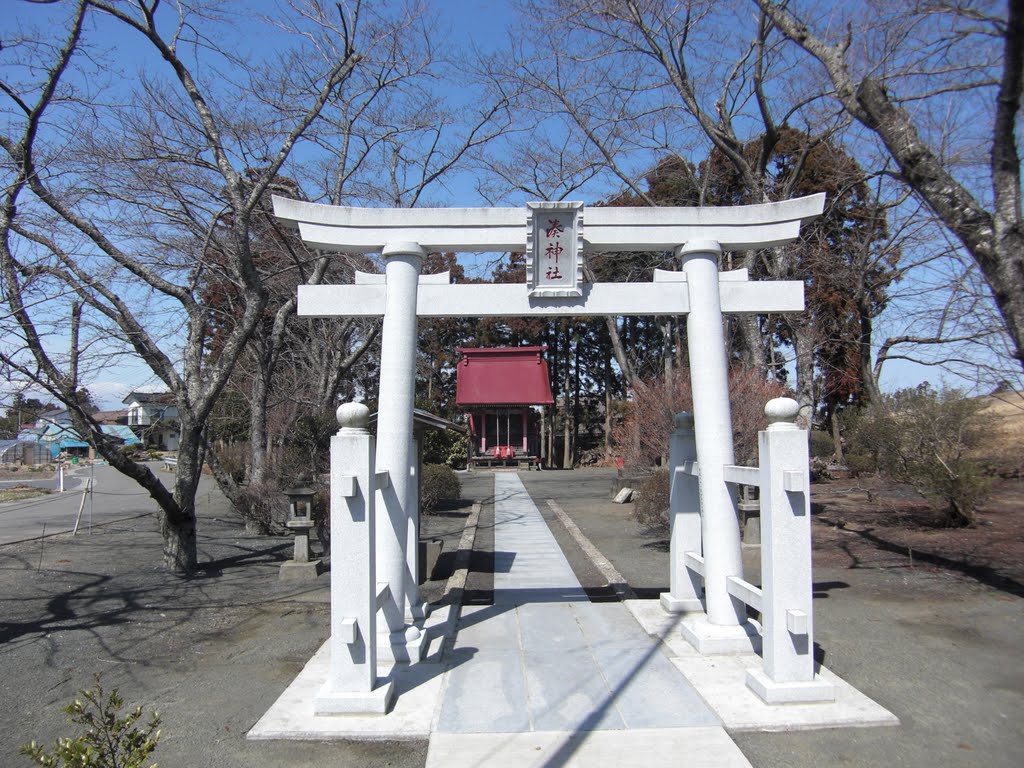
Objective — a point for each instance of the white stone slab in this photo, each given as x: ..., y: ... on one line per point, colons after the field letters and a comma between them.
x: 721, y: 682
x: 549, y: 628
x: 566, y: 691
x: 291, y: 716
x: 418, y: 691
x: 707, y: 747
x: 648, y: 692
x: 512, y: 300
x: 485, y: 693
x: 488, y: 628
x: 504, y: 229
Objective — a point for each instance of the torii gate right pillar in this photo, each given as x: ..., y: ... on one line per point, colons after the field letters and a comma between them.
x: 723, y: 628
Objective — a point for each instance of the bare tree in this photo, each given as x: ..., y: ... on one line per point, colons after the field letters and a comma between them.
x: 642, y: 82
x: 909, y: 73
x: 117, y: 192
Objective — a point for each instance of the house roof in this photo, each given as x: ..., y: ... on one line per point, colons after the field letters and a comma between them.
x: 110, y: 417
x: 503, y: 376
x: 122, y: 432
x: 424, y: 420
x: 149, y: 397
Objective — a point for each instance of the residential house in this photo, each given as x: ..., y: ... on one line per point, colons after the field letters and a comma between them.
x: 153, y: 416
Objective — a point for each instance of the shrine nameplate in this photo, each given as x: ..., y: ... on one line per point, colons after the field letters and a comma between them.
x: 554, y: 249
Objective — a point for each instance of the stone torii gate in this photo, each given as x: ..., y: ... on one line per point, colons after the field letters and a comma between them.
x: 554, y: 237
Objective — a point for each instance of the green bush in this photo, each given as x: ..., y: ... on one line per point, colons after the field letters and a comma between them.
x: 110, y: 740
x: 822, y: 444
x: 650, y: 501
x: 438, y: 484
x: 445, y: 447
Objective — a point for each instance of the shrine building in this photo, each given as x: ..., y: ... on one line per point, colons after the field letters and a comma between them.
x: 496, y: 387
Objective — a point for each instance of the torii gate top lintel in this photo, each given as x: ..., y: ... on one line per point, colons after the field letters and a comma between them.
x: 543, y: 230
x: 609, y: 229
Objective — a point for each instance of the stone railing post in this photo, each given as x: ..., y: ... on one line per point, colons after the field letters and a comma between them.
x: 352, y: 685
x: 787, y: 621
x: 685, y: 585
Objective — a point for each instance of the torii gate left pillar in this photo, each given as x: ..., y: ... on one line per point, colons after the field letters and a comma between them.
x: 397, y: 395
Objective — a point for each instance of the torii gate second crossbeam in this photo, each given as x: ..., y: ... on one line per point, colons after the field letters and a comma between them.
x: 554, y: 238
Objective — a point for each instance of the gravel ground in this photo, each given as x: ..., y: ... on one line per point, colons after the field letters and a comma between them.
x: 939, y: 649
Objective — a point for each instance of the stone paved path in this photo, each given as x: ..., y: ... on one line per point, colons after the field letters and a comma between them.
x: 545, y: 677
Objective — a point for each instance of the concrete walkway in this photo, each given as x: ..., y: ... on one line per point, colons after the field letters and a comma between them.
x: 558, y: 680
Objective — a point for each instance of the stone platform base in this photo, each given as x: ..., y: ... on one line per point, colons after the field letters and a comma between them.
x: 710, y: 638
x: 375, y: 702
x: 771, y: 692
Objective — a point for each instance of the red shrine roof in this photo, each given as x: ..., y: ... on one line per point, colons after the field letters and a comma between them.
x: 503, y: 376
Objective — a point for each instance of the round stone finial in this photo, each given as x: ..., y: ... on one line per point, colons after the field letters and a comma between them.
x: 353, y: 416
x: 684, y: 420
x: 782, y: 412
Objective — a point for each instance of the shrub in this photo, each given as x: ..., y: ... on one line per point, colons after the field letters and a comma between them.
x: 262, y: 506
x: 445, y: 446
x: 822, y: 444
x: 861, y: 464
x: 438, y: 483
x: 924, y: 437
x: 642, y: 437
x: 650, y: 501
x: 110, y: 740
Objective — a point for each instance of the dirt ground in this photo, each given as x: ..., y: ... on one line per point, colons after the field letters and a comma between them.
x: 865, y: 523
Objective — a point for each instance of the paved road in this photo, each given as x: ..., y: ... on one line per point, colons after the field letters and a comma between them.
x: 114, y: 497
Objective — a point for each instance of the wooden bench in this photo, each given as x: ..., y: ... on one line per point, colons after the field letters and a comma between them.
x: 170, y: 463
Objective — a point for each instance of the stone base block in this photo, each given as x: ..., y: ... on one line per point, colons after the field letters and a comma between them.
x: 711, y: 639
x: 408, y: 645
x: 771, y: 692
x: 292, y: 569
x: 674, y: 604
x: 375, y: 702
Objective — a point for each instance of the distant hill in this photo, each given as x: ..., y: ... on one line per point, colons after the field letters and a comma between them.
x: 1006, y: 448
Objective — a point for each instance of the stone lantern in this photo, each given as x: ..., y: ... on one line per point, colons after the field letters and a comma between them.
x: 300, y: 520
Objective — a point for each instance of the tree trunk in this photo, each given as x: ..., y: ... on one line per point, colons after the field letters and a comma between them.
x: 667, y: 347
x: 803, y: 344
x: 258, y: 438
x: 607, y: 406
x: 750, y: 344
x: 837, y: 437
x: 178, y: 527
x: 619, y: 350
x: 566, y: 391
x: 872, y: 393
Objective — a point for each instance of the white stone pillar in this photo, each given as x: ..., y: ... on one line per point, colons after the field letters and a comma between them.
x: 416, y: 609
x: 352, y: 685
x: 724, y: 629
x: 787, y: 615
x: 684, y: 516
x: 394, y: 432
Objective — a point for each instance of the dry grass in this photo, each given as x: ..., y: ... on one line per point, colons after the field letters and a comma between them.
x: 1005, y: 446
x: 20, y: 493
